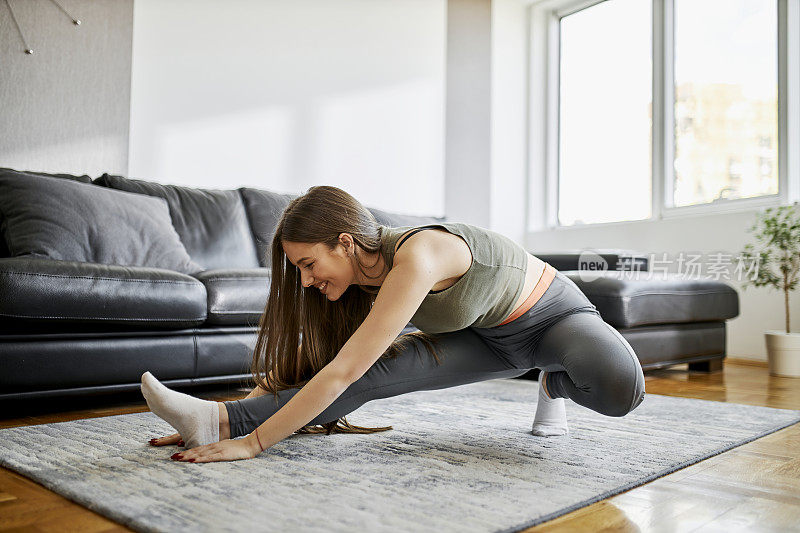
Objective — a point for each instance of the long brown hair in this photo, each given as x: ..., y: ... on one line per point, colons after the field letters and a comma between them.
x: 300, y: 330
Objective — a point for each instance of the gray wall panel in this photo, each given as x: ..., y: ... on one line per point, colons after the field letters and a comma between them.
x: 66, y: 107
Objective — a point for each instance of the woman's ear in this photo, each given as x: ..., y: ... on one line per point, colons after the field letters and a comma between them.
x: 346, y: 240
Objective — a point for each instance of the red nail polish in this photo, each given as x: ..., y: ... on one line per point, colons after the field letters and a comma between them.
x: 191, y: 460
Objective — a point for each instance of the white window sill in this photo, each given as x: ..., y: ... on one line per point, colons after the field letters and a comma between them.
x: 720, y: 208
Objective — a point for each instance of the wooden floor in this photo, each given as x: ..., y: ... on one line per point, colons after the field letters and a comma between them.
x: 755, y: 487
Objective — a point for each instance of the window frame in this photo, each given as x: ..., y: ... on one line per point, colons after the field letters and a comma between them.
x: 545, y: 15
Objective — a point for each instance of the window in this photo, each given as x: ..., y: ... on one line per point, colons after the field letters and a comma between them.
x: 605, y: 119
x: 726, y: 100
x: 661, y: 107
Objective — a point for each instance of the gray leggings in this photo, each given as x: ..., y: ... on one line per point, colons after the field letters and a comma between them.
x: 586, y: 360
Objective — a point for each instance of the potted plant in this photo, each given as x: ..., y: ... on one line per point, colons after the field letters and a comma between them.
x: 777, y: 262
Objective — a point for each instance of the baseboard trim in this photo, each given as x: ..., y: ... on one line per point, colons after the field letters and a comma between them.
x: 746, y: 362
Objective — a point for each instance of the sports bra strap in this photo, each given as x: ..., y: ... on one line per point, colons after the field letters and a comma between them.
x: 406, y: 237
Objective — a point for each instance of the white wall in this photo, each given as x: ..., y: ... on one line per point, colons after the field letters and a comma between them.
x: 468, y: 97
x: 508, y: 120
x: 285, y: 95
x: 486, y: 101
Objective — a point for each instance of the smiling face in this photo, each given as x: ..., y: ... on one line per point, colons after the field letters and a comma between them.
x: 320, y: 267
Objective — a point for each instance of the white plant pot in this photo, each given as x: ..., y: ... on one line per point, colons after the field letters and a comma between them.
x: 783, y: 353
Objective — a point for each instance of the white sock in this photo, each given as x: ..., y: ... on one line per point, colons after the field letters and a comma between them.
x: 196, y: 420
x: 551, y: 414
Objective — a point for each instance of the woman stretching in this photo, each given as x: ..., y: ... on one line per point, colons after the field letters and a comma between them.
x: 344, y: 287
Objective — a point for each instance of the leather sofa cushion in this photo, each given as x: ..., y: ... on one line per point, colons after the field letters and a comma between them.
x: 212, y: 224
x: 72, y: 221
x: 236, y: 297
x: 66, y: 291
x: 83, y: 178
x: 627, y: 299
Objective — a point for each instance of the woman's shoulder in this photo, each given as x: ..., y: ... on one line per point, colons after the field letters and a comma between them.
x: 418, y: 238
x: 449, y: 253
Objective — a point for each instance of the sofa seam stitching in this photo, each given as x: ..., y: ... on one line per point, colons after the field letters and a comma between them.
x: 234, y: 279
x: 101, y: 317
x: 99, y: 277
x: 194, y: 340
x: 221, y: 311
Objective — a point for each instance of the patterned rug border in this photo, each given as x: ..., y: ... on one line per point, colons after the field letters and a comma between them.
x: 652, y: 477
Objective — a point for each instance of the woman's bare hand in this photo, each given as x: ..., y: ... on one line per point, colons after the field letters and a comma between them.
x: 175, y: 438
x: 224, y: 450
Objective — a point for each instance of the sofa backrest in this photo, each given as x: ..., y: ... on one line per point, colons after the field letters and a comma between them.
x: 83, y: 178
x: 211, y: 223
x: 222, y: 228
x: 385, y: 218
x: 264, y: 209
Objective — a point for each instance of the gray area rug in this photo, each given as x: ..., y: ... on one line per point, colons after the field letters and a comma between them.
x: 458, y: 459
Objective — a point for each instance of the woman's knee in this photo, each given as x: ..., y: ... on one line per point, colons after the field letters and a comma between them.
x: 620, y: 384
x: 621, y: 396
x: 600, y: 362
x: 605, y: 392
x: 631, y: 377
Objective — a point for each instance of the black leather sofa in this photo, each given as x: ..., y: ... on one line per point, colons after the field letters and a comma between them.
x: 74, y: 325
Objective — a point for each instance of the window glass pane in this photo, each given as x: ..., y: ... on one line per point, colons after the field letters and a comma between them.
x: 605, y: 113
x: 726, y: 100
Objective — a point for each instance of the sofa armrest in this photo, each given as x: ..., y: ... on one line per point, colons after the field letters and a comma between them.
x: 36, y: 288
x: 595, y: 260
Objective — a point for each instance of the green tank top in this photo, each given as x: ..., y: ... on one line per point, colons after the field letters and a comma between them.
x: 485, y: 295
